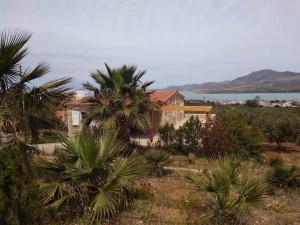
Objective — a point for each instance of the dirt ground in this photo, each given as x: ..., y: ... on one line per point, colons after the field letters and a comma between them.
x: 290, y: 154
x: 166, y: 198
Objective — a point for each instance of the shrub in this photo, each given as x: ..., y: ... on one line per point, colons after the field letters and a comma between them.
x: 284, y: 175
x: 157, y: 159
x: 233, y: 189
x: 245, y: 136
x: 167, y: 135
x: 192, y: 158
x: 90, y: 177
x: 191, y: 134
x: 215, y: 139
x: 275, y: 161
x: 19, y: 201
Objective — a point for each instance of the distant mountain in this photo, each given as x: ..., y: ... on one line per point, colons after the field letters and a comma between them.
x: 258, y: 81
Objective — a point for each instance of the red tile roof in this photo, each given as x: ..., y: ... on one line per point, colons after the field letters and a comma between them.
x: 157, y: 96
x: 162, y: 96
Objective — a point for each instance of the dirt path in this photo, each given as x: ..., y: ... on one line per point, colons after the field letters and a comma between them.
x: 183, y: 169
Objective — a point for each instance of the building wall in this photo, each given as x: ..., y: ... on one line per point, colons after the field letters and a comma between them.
x: 160, y: 118
x: 201, y: 116
x: 73, y: 129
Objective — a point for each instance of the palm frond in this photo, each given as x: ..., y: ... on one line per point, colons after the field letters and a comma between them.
x: 12, y: 51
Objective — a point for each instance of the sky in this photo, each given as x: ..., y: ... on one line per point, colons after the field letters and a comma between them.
x: 176, y: 41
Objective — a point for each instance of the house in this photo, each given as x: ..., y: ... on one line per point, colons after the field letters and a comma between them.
x: 171, y: 110
x: 161, y: 117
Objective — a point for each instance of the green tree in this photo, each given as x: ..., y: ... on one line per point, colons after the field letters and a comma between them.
x: 19, y: 202
x: 27, y: 106
x: 120, y: 101
x: 284, y: 175
x: 191, y: 133
x: 88, y: 176
x: 245, y: 136
x: 157, y: 159
x: 166, y: 134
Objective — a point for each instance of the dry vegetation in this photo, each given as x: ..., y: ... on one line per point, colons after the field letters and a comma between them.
x: 170, y: 199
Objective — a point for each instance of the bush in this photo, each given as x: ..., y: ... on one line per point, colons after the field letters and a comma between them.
x: 89, y: 177
x: 19, y: 201
x: 245, y: 136
x: 215, y: 139
x: 192, y: 158
x: 275, y: 161
x: 284, y: 175
x: 167, y: 135
x: 157, y: 159
x: 233, y: 190
x: 191, y: 134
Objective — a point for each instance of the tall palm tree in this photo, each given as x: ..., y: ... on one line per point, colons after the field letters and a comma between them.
x: 27, y: 105
x: 89, y: 176
x: 234, y: 190
x: 120, y: 100
x: 12, y: 52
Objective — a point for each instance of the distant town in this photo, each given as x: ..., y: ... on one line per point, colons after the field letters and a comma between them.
x: 253, y: 102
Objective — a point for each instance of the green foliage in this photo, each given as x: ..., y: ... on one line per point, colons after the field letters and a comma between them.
x: 275, y: 124
x: 275, y: 161
x: 19, y: 202
x: 279, y: 129
x: 167, y: 135
x: 157, y: 159
x: 284, y: 175
x: 252, y: 103
x: 191, y: 132
x: 28, y: 107
x: 185, y: 139
x: 192, y: 158
x: 234, y: 190
x: 49, y: 137
x: 120, y: 101
x: 211, y: 138
x: 88, y: 177
x: 245, y: 136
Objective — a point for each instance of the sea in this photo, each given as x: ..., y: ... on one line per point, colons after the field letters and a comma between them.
x: 240, y: 96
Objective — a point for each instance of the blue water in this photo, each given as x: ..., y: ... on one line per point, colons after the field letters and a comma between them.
x: 241, y: 96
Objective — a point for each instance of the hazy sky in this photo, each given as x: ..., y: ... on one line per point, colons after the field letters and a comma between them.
x: 176, y: 41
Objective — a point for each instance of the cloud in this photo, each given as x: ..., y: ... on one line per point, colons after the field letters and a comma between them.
x: 175, y: 41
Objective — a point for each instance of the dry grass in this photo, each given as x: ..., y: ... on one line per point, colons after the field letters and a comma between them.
x: 170, y: 199
x: 290, y: 154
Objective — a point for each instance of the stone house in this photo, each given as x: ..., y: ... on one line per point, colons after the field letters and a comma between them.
x: 77, y: 108
x: 161, y: 117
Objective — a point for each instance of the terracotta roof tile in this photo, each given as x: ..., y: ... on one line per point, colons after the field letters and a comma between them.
x: 156, y: 96
x: 162, y: 96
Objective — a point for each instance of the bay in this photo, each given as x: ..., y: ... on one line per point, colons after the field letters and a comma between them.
x: 240, y: 96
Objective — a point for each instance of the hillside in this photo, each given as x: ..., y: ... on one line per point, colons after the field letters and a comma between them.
x: 258, y: 81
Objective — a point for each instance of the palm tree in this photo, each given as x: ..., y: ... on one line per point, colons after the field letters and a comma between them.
x: 120, y: 100
x: 157, y: 159
x: 283, y: 175
x: 12, y: 52
x: 88, y: 176
x: 27, y: 105
x: 234, y: 190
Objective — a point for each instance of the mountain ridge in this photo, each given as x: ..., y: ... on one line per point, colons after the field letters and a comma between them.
x: 266, y: 80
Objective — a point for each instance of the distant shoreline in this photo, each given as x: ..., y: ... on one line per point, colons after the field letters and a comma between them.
x: 288, y: 96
